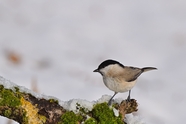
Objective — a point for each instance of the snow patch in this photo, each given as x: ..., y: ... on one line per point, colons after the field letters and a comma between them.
x: 104, y: 98
x: 131, y: 119
x: 7, y: 84
x: 71, y: 105
x: 116, y: 112
x: 10, y: 85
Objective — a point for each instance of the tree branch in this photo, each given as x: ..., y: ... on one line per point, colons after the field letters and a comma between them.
x: 25, y: 108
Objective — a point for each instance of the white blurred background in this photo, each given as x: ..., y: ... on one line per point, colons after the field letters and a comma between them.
x: 53, y: 46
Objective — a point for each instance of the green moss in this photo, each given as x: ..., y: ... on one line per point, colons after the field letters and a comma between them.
x: 70, y: 118
x: 90, y: 121
x: 53, y: 101
x: 25, y: 118
x: 8, y: 98
x: 42, y: 118
x: 100, y: 114
x: 16, y: 89
x: 7, y: 113
x: 1, y: 87
x: 104, y: 115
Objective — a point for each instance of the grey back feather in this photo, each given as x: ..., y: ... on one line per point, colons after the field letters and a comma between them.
x: 132, y: 73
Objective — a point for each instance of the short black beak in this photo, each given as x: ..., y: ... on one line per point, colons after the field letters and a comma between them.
x: 96, y: 70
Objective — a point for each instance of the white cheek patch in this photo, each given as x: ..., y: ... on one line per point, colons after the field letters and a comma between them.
x: 105, y: 70
x: 111, y: 70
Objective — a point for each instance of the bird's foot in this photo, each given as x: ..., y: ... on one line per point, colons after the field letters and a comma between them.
x: 110, y: 102
x: 128, y: 99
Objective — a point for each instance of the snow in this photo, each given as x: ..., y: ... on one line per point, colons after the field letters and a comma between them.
x: 60, y: 43
x: 116, y: 112
x: 104, y: 98
x: 10, y: 85
x: 72, y: 105
x: 7, y: 83
x: 132, y: 119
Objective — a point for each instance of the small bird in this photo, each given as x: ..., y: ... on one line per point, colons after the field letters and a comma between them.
x: 119, y: 78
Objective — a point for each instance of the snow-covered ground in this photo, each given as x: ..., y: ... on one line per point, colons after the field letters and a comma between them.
x: 60, y: 43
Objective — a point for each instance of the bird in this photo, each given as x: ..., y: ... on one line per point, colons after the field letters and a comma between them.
x: 120, y: 78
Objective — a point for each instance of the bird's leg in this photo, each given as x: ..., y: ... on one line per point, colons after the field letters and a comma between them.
x: 128, y: 98
x: 110, y: 101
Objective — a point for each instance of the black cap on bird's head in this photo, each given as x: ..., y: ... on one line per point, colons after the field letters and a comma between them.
x: 106, y: 63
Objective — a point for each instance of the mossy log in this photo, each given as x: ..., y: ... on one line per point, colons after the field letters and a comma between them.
x: 25, y: 108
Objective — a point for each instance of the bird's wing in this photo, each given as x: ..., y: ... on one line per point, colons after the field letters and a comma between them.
x: 131, y: 73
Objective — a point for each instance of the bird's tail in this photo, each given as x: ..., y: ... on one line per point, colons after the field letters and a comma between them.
x: 148, y: 69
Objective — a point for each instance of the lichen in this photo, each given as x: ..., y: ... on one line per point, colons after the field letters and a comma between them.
x: 32, y: 113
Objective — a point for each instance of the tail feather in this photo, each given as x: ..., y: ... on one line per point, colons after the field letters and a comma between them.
x: 148, y: 69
